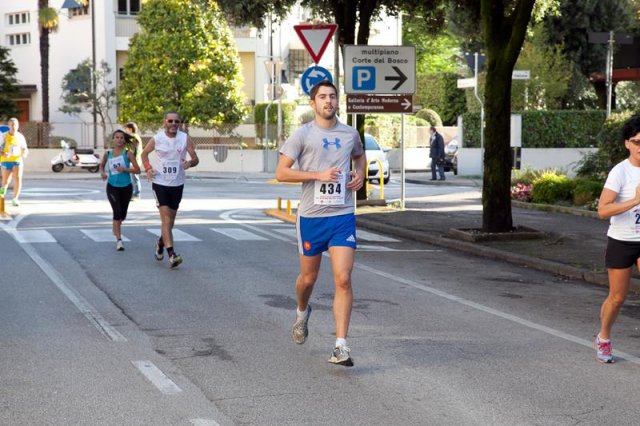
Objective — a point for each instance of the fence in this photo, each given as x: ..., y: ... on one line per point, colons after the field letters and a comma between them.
x: 49, y: 135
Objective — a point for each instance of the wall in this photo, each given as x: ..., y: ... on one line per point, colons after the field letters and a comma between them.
x: 563, y: 159
x: 248, y: 161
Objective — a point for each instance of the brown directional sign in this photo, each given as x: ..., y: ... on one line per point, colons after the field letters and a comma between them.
x: 374, y: 104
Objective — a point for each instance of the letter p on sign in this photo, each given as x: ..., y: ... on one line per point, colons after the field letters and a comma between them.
x: 364, y: 78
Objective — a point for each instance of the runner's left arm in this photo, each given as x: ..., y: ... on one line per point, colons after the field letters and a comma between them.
x: 357, y: 174
x: 191, y: 149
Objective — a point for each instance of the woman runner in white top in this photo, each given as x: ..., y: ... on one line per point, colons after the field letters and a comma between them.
x: 620, y: 201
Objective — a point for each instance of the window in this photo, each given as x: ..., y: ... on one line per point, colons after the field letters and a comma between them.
x: 19, y: 39
x: 18, y: 18
x: 128, y: 7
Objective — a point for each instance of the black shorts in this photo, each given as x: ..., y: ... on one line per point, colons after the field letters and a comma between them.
x: 621, y: 254
x: 119, y: 197
x: 169, y: 196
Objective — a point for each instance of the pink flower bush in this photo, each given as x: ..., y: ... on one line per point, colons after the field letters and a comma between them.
x: 521, y: 192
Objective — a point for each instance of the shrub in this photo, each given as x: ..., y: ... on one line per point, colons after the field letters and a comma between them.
x: 551, y: 187
x: 525, y: 176
x: 431, y: 116
x: 586, y: 191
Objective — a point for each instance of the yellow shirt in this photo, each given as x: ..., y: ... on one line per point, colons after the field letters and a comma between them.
x: 12, y: 147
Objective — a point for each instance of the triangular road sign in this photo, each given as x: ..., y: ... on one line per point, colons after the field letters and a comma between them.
x: 315, y: 37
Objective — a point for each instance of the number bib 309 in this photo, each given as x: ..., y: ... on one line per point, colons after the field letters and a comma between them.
x: 170, y: 168
x: 330, y: 193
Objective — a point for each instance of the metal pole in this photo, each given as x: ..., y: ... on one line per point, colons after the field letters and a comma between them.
x: 94, y: 85
x: 336, y: 61
x: 402, y: 176
x: 609, y: 72
x: 475, y: 92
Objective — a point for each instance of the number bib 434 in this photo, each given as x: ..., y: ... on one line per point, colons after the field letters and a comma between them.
x: 330, y: 193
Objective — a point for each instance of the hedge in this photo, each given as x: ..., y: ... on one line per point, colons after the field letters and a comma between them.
x: 547, y: 129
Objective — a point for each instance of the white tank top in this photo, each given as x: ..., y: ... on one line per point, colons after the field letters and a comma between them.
x: 171, y: 153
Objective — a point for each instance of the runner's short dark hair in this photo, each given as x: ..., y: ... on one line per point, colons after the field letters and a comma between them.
x: 133, y: 126
x: 325, y: 83
x: 631, y: 127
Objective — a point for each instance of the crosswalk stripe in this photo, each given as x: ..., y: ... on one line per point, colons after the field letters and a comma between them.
x: 101, y: 235
x: 178, y: 235
x: 239, y: 234
x: 33, y: 236
x: 370, y: 236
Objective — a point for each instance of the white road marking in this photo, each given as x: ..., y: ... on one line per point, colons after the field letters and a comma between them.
x: 204, y: 422
x: 370, y: 236
x: 157, y: 377
x: 491, y: 311
x: 102, y: 235
x: 33, y: 236
x: 239, y: 234
x: 178, y: 235
x: 78, y: 301
x: 227, y: 217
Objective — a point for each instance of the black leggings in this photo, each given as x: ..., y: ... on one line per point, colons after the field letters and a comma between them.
x: 119, y: 198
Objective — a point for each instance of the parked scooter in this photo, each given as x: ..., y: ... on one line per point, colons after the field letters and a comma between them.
x: 84, y: 158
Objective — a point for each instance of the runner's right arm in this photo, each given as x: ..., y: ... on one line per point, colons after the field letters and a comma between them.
x: 148, y: 168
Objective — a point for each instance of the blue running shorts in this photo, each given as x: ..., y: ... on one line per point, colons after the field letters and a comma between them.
x: 9, y: 165
x: 317, y: 234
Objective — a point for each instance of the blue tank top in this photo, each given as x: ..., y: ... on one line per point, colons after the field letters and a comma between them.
x: 116, y: 178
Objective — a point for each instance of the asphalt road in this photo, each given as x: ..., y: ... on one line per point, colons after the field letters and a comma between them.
x: 93, y: 336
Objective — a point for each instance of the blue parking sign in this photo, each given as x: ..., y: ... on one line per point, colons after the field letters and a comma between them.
x: 364, y: 78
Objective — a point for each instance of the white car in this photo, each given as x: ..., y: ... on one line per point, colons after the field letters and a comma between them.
x: 373, y: 152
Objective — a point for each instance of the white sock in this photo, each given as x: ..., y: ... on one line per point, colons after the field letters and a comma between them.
x: 301, y: 314
x: 603, y: 340
x: 341, y: 342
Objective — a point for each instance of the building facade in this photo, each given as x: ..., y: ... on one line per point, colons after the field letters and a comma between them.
x: 107, y: 35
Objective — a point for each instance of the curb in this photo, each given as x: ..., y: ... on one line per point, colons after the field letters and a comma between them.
x: 568, y: 271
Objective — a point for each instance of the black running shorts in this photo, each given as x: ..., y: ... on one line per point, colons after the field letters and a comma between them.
x: 169, y: 196
x: 621, y: 254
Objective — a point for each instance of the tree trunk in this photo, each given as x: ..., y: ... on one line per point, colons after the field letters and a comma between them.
x: 504, y: 24
x: 44, y: 63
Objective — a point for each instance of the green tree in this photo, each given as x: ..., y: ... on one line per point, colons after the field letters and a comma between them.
x: 78, y: 95
x: 550, y: 73
x: 435, y: 53
x: 570, y: 28
x: 184, y: 59
x: 8, y: 85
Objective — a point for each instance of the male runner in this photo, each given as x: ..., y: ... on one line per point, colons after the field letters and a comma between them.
x: 326, y: 221
x: 171, y: 147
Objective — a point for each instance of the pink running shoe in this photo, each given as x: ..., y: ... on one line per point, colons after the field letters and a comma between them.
x: 604, y: 350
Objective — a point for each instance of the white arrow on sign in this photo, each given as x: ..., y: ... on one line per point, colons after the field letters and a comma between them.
x: 406, y: 103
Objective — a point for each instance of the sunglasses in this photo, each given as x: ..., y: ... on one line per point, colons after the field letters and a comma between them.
x: 170, y: 121
x: 635, y: 142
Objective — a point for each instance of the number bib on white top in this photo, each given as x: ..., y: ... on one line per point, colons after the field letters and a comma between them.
x: 170, y: 168
x: 330, y: 193
x: 15, y: 151
x: 634, y: 220
x: 114, y: 163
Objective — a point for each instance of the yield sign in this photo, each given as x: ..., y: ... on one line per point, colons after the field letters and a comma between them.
x: 315, y: 37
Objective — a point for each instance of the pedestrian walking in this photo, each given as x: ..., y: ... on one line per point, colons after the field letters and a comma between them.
x: 116, y: 167
x: 13, y: 151
x: 136, y: 146
x: 171, y: 146
x: 620, y: 201
x: 323, y: 150
x: 436, y: 153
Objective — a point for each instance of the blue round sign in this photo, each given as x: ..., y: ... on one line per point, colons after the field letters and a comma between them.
x: 314, y: 75
x: 4, y: 129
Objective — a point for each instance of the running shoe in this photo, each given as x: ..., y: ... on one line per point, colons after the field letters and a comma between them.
x: 119, y: 245
x: 604, y: 351
x: 159, y: 253
x: 15, y: 203
x: 341, y: 355
x: 175, y: 260
x: 300, y: 331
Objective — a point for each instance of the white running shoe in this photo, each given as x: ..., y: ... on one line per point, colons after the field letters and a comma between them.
x: 119, y: 245
x: 341, y: 355
x: 300, y: 331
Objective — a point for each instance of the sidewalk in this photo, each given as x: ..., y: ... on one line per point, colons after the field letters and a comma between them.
x: 573, y: 244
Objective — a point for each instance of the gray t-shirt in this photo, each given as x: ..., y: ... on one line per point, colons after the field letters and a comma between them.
x: 316, y: 149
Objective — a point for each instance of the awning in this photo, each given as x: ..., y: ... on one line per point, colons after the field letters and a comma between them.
x: 71, y: 4
x: 26, y: 89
